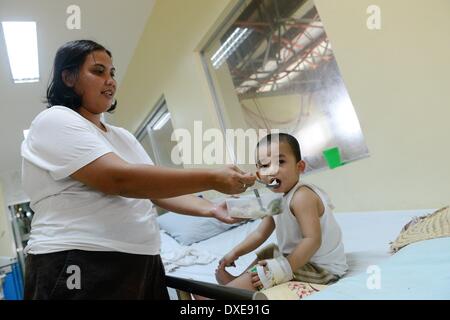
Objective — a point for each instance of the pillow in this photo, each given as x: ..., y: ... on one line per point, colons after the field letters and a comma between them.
x: 433, y: 225
x: 190, y: 229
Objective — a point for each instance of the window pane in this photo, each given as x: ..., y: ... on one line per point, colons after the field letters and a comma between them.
x: 155, y: 136
x: 272, y: 66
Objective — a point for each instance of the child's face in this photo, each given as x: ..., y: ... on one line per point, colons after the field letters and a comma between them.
x: 277, y: 162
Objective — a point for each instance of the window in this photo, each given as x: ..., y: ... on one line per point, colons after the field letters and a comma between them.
x: 271, y: 66
x: 155, y: 135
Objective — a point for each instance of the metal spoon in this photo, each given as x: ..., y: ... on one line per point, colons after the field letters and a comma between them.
x: 258, y: 197
x: 273, y: 184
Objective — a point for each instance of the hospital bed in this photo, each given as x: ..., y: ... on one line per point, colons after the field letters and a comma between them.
x: 366, y: 237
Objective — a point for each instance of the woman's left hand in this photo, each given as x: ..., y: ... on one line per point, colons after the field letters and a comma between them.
x: 220, y: 212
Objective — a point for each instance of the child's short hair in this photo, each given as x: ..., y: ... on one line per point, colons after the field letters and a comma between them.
x: 283, y: 137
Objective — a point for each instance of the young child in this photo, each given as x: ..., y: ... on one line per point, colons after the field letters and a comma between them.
x: 310, y: 247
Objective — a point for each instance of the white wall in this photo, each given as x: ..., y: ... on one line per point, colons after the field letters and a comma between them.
x: 167, y: 62
x: 397, y: 77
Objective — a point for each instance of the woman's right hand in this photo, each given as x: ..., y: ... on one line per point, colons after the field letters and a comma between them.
x: 232, y: 180
x: 228, y: 260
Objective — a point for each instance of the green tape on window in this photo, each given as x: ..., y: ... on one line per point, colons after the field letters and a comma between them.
x: 333, y: 157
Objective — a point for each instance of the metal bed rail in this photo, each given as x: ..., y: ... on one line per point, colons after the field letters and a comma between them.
x: 211, y: 290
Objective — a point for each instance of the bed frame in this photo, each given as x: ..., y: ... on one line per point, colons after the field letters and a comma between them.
x: 186, y: 287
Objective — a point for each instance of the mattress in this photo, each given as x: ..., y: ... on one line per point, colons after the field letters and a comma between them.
x: 218, y: 246
x: 366, y: 237
x: 419, y: 271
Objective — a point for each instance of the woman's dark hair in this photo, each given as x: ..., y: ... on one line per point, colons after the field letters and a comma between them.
x: 71, y: 56
x: 283, y: 137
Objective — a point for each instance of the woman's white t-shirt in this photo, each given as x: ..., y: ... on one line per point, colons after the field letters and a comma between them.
x: 69, y: 214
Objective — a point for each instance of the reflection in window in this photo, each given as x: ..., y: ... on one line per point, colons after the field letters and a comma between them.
x: 271, y: 66
x: 155, y: 135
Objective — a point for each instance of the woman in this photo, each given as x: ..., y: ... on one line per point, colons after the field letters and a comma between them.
x: 93, y: 234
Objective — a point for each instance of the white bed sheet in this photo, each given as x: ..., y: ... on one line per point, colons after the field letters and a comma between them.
x: 366, y: 237
x: 420, y: 271
x: 218, y: 245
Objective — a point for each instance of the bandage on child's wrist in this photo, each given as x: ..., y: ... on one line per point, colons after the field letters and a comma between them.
x: 275, y: 272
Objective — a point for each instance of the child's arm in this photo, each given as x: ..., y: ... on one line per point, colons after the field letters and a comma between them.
x: 307, y: 208
x: 251, y: 242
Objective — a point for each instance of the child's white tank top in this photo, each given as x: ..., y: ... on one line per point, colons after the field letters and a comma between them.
x: 330, y: 255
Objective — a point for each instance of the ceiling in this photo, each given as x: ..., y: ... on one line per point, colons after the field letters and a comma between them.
x: 116, y: 24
